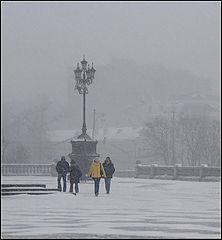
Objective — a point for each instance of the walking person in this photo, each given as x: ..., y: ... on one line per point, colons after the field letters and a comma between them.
x: 109, y: 169
x: 62, y: 169
x: 75, y: 174
x: 96, y: 171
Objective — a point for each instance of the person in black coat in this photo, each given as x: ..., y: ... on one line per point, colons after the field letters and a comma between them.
x: 109, y: 169
x: 62, y: 169
x: 75, y: 174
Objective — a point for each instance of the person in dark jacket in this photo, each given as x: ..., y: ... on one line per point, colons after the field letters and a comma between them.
x: 75, y: 174
x: 62, y: 169
x: 109, y: 169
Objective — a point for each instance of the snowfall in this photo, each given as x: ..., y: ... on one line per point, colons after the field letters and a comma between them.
x: 135, y: 208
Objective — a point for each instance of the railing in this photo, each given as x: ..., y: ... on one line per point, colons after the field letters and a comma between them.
x: 124, y: 173
x: 150, y: 171
x: 176, y: 171
x: 27, y: 169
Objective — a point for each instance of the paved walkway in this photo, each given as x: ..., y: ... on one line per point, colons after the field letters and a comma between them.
x: 136, y: 208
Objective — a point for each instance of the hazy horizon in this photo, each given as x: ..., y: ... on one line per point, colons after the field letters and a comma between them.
x: 43, y: 41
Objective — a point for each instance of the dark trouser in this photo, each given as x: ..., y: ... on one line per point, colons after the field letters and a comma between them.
x: 76, y: 187
x: 96, y: 180
x: 107, y: 184
x: 63, y: 176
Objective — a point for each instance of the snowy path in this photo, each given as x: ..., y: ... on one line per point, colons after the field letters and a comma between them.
x: 136, y: 208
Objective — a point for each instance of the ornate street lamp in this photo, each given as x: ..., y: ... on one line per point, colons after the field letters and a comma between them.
x: 84, y: 76
x: 83, y: 148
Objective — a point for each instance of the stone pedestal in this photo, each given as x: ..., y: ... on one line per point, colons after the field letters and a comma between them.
x: 83, y: 152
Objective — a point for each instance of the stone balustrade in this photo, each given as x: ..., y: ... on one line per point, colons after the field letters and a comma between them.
x: 27, y: 169
x: 150, y: 171
x: 176, y: 171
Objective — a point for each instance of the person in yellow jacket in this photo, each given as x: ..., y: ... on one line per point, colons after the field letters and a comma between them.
x: 95, y: 172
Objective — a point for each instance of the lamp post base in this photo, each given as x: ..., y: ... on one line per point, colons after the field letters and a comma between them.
x: 83, y: 152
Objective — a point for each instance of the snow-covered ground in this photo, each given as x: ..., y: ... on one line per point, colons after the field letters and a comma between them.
x: 136, y: 208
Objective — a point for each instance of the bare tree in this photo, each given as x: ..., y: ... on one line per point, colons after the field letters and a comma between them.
x: 25, y: 134
x: 201, y: 139
x: 157, y: 135
x: 197, y: 140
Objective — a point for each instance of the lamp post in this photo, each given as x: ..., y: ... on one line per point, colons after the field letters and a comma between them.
x: 84, y: 76
x: 83, y: 147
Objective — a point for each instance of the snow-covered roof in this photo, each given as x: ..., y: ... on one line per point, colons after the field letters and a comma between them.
x: 126, y: 133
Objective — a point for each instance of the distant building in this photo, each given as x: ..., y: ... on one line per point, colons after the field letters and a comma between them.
x: 117, y: 143
x: 124, y: 145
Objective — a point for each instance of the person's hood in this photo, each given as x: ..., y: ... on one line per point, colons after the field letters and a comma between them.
x: 96, y: 162
x: 108, y: 163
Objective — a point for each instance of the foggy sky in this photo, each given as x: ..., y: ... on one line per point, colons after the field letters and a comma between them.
x: 42, y: 41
